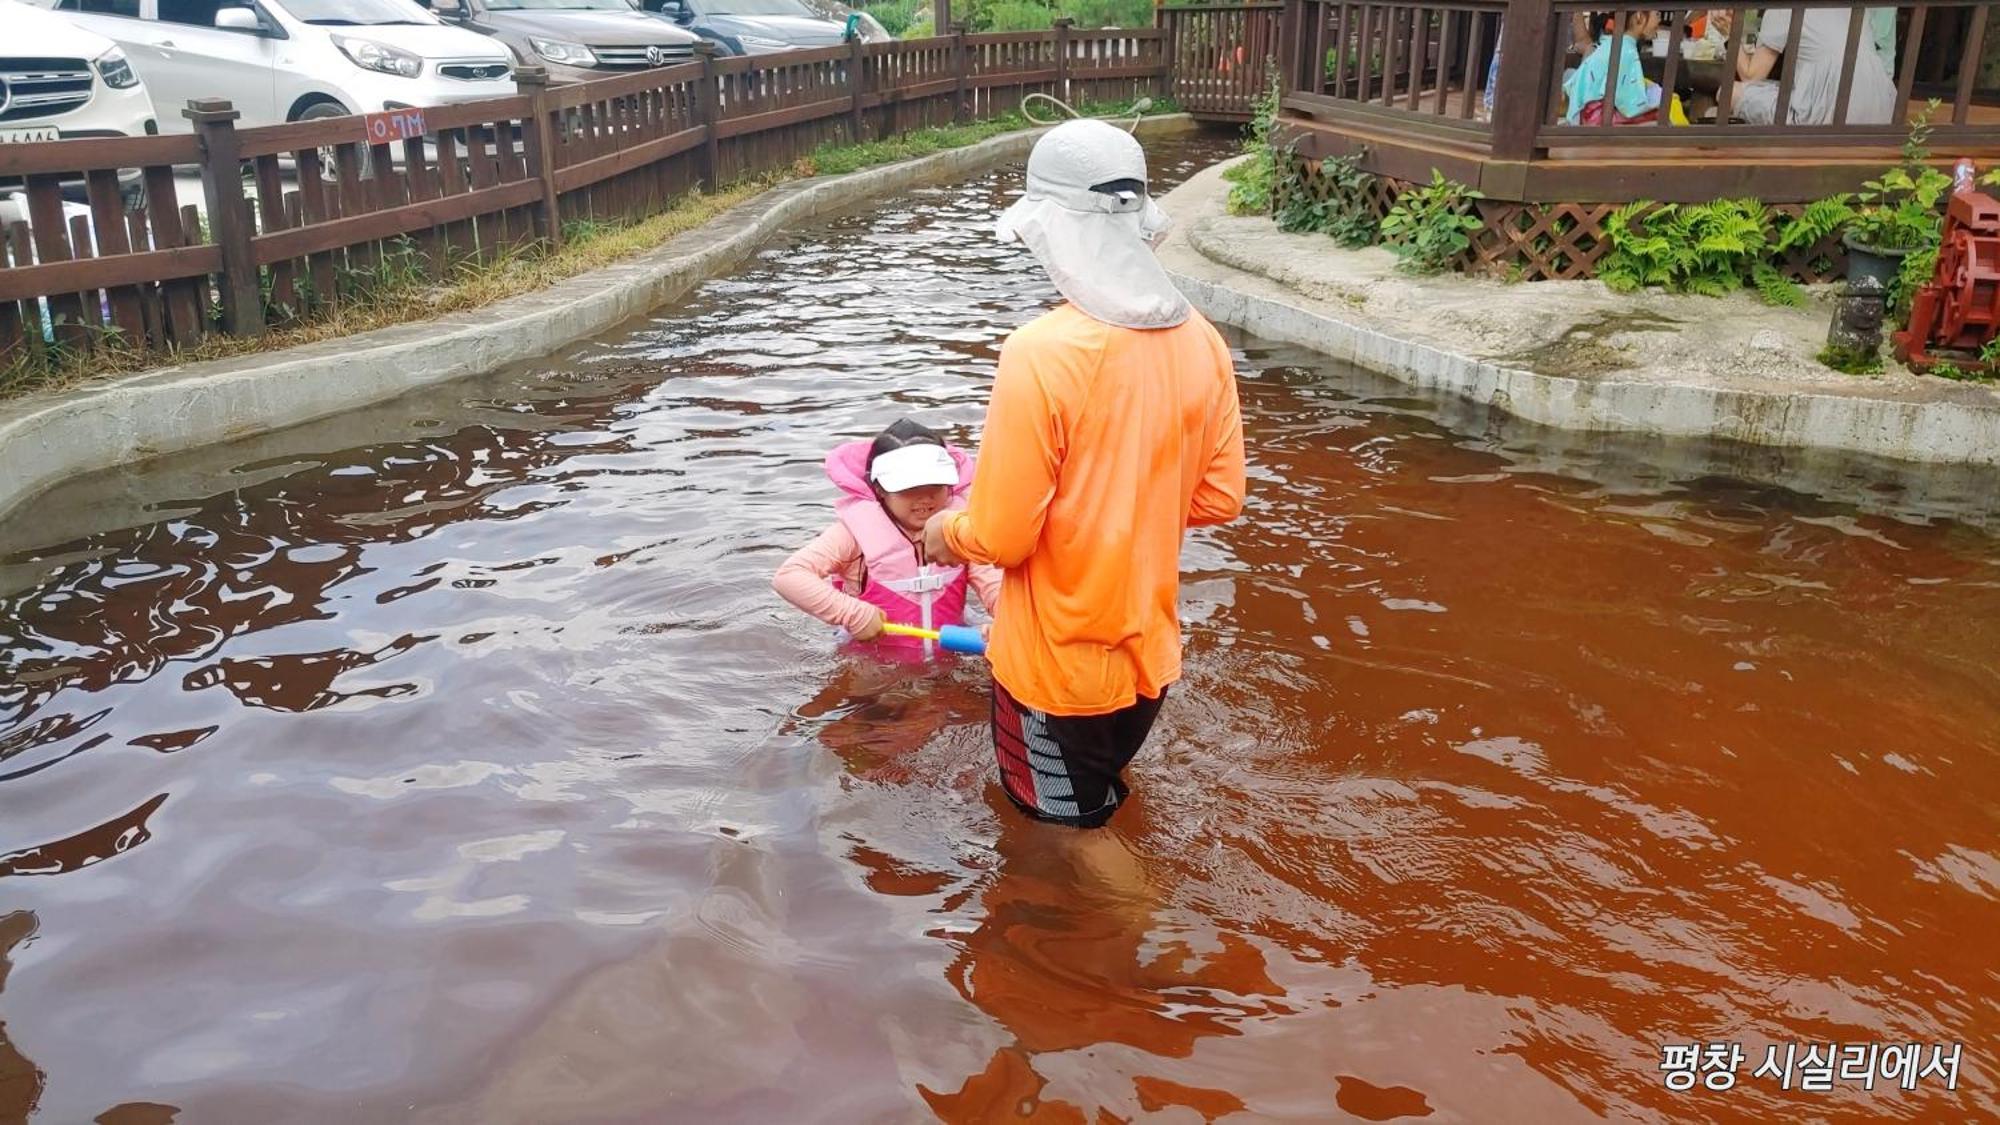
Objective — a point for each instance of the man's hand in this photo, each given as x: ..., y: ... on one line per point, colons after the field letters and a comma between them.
x: 936, y: 550
x: 872, y: 630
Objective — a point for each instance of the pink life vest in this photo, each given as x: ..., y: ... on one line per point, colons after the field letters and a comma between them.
x: 905, y: 592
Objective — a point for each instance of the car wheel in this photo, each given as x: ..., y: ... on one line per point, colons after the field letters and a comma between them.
x: 329, y: 165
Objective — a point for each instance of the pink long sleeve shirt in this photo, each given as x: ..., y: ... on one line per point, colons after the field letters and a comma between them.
x: 804, y: 580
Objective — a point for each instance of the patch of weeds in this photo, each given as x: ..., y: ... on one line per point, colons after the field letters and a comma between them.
x: 1253, y: 182
x: 1851, y: 361
x: 1430, y: 227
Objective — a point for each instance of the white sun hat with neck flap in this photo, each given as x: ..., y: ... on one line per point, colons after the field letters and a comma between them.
x: 1089, y: 221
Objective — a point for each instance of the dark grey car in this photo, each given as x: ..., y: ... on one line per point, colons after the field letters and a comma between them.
x: 577, y: 40
x: 756, y: 27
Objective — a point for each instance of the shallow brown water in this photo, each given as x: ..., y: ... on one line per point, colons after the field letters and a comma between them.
x: 451, y: 761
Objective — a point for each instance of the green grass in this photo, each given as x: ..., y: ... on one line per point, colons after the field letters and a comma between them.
x: 835, y: 160
x: 904, y: 18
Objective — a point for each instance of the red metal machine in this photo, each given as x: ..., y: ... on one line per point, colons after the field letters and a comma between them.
x: 1959, y: 309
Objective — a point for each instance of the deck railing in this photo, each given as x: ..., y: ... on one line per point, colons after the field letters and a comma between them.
x: 107, y: 253
x: 1221, y: 55
x: 1428, y: 69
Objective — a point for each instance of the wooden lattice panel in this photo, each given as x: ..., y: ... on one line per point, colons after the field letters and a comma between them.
x: 1545, y: 241
x: 1560, y: 242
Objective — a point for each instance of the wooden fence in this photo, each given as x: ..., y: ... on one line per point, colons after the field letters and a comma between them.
x: 488, y: 178
x: 1221, y: 56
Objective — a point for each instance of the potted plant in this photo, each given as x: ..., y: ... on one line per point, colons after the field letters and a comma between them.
x: 1899, y: 213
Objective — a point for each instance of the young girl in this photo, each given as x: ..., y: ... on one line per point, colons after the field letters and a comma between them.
x: 868, y: 568
x: 1636, y: 95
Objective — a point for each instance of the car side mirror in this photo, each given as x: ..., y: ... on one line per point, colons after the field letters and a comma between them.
x: 238, y: 19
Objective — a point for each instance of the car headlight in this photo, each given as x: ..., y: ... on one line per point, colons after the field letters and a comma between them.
x: 370, y: 55
x: 568, y: 54
x: 759, y: 43
x: 116, y: 72
x: 872, y: 30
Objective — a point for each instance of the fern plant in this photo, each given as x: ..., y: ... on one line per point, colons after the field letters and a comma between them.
x: 1430, y: 227
x: 1703, y: 248
x: 1821, y: 219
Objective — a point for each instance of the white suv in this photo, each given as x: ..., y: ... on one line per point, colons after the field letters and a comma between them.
x: 59, y: 81
x: 293, y: 60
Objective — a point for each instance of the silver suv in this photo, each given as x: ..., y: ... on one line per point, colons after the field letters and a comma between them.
x: 577, y: 40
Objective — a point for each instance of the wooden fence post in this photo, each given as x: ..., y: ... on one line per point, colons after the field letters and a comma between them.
x: 961, y: 108
x: 1062, y: 57
x: 228, y: 215
x: 1528, y: 31
x: 857, y: 124
x: 1167, y: 22
x: 709, y: 106
x: 539, y: 141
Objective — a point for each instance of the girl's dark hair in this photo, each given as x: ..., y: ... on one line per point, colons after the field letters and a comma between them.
x: 902, y: 432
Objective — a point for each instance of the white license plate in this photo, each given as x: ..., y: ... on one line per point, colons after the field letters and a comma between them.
x: 22, y: 136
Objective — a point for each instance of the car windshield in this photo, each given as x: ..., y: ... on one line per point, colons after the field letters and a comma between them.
x: 559, y: 5
x: 356, y: 13
x: 756, y: 8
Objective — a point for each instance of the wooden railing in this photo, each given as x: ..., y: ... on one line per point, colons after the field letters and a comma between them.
x: 1397, y: 61
x: 1427, y: 70
x: 1221, y: 56
x: 293, y: 217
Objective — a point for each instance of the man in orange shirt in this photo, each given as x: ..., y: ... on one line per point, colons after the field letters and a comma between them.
x: 1113, y: 427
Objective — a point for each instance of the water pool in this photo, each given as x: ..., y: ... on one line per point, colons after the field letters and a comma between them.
x: 452, y: 761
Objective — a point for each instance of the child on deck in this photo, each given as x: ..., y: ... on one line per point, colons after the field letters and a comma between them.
x: 1636, y: 95
x: 868, y: 568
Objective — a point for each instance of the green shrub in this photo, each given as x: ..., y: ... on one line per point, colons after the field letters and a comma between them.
x: 895, y: 16
x: 1253, y: 181
x: 1900, y: 211
x: 1017, y: 15
x: 1343, y: 213
x: 1431, y: 226
x: 1914, y: 274
x: 1110, y: 13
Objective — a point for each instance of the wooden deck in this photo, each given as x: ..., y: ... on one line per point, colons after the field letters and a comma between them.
x: 1402, y: 84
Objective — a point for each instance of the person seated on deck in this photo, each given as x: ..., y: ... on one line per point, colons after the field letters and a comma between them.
x: 1816, y: 51
x: 1636, y: 96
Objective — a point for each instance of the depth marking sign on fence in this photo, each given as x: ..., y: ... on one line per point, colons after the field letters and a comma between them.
x: 394, y: 125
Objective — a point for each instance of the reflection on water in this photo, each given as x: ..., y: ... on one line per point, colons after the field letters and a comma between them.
x: 450, y: 761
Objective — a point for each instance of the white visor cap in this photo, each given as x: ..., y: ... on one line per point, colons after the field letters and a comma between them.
x: 913, y: 466
x: 1096, y: 245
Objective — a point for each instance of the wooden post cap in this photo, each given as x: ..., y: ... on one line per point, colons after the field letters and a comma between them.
x: 531, y: 76
x: 707, y: 48
x: 209, y: 111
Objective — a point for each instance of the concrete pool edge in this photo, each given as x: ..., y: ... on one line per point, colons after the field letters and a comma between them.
x: 48, y: 438
x: 1929, y: 421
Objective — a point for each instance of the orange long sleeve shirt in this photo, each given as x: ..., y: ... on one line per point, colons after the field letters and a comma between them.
x: 1102, y: 446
